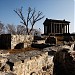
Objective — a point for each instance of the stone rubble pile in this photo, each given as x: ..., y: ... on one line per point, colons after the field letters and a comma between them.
x: 26, y: 63
x: 50, y: 61
x: 64, y: 61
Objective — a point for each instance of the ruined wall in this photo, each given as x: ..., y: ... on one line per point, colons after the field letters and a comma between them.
x: 64, y: 62
x: 26, y: 63
x: 17, y: 39
x: 5, y: 41
x: 51, y: 40
x: 8, y: 41
x: 59, y: 40
x: 31, y: 65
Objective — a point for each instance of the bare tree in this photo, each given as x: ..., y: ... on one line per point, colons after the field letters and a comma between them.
x: 2, y: 28
x: 32, y: 18
x: 11, y: 29
x: 21, y: 29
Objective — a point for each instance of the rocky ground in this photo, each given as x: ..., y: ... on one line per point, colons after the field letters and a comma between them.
x: 9, y: 57
x: 56, y: 55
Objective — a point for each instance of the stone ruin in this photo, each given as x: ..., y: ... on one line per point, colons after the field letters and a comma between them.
x: 32, y: 62
x: 53, y: 60
x: 64, y: 61
x: 51, y: 40
x: 26, y: 63
x: 8, y: 41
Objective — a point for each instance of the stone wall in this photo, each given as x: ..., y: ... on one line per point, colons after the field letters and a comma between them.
x: 51, y: 40
x: 5, y: 41
x: 39, y: 42
x: 8, y: 41
x: 18, y: 39
x: 31, y: 65
x: 26, y: 63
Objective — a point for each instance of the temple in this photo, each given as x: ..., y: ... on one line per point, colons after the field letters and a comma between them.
x: 52, y: 27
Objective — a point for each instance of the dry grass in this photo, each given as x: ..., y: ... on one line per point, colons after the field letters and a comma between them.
x: 11, y: 51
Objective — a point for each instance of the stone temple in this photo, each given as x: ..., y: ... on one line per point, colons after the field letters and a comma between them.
x: 52, y: 26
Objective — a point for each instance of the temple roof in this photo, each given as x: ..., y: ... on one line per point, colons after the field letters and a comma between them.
x: 55, y: 21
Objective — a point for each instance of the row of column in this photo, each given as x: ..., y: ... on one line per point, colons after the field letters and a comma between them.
x: 59, y: 28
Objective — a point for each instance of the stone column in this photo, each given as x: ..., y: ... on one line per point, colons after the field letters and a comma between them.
x: 59, y: 28
x: 56, y: 28
x: 68, y: 28
x: 63, y: 28
x: 51, y: 27
x: 44, y: 29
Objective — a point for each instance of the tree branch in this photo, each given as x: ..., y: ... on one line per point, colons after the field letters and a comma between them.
x: 20, y: 14
x: 32, y: 17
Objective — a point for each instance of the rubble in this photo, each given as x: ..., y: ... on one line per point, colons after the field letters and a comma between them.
x: 64, y: 61
x: 26, y: 63
x: 46, y: 61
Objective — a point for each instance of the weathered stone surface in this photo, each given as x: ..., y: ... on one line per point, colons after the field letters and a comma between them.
x: 2, y: 62
x: 39, y: 41
x: 28, y: 63
x: 51, y: 51
x: 8, y: 41
x: 64, y: 63
x: 16, y: 39
x: 6, y: 73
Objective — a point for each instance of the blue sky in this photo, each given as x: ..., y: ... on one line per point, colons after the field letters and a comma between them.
x: 52, y: 9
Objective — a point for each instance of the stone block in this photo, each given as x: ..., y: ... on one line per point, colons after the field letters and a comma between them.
x: 17, y: 63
